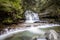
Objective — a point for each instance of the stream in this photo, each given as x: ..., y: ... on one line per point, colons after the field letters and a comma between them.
x: 38, y: 34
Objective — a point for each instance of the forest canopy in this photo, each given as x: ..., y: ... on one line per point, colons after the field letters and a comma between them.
x: 10, y: 10
x: 13, y: 10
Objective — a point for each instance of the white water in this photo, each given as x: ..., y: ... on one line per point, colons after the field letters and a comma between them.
x: 41, y: 39
x: 31, y: 29
x: 31, y: 17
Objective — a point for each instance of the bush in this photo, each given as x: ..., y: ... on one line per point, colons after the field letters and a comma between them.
x: 10, y: 10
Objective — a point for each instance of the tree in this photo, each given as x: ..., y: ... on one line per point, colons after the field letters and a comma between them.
x: 10, y: 10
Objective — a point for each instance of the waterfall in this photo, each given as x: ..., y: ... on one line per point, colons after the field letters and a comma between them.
x: 31, y: 17
x: 32, y: 29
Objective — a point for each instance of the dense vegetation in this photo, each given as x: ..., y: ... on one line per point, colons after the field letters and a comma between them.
x: 12, y: 10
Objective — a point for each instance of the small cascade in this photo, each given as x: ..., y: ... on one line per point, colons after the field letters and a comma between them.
x: 32, y: 29
x: 31, y: 17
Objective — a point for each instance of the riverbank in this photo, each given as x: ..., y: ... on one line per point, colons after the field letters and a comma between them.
x: 27, y: 25
x: 31, y: 28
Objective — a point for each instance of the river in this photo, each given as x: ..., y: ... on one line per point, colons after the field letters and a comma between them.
x: 31, y: 28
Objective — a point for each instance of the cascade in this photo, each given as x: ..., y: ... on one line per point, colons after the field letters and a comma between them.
x: 31, y: 17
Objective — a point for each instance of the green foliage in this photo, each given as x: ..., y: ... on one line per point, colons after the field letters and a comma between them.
x: 28, y: 4
x: 10, y: 8
x: 13, y: 9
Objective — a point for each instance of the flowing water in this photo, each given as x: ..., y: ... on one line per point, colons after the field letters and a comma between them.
x: 31, y: 17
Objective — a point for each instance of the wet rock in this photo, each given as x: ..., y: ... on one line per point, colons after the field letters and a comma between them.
x: 28, y: 26
x: 37, y: 22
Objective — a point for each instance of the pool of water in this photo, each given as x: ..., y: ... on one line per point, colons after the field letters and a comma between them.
x: 32, y: 30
